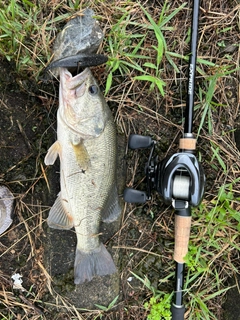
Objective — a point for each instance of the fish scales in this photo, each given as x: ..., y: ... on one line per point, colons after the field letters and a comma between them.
x: 87, y: 191
x: 87, y: 147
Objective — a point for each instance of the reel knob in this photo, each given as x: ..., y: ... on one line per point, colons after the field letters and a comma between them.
x: 134, y: 196
x: 138, y: 141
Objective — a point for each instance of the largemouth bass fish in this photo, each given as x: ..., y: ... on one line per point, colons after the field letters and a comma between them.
x: 86, y: 146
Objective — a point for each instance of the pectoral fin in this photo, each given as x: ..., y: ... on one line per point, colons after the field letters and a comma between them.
x: 59, y: 216
x: 82, y: 155
x: 52, y: 154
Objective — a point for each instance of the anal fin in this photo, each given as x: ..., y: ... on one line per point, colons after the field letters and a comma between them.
x: 112, y: 208
x: 59, y: 217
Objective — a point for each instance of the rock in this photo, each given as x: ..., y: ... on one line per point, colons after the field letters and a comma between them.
x: 81, y: 34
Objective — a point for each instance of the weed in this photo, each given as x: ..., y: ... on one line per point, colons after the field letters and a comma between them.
x: 224, y: 210
x: 208, y: 102
x: 110, y: 306
x: 216, y: 154
x: 13, y: 32
x: 159, y: 308
x: 159, y: 304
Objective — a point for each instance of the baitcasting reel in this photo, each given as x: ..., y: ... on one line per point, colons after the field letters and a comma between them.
x: 179, y: 179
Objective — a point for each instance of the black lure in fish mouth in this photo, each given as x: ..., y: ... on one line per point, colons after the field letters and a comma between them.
x: 81, y: 60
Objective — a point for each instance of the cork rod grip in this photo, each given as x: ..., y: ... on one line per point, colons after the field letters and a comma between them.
x: 182, y: 233
x: 187, y: 144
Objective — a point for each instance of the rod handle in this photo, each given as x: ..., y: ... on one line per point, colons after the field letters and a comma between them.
x: 187, y: 144
x: 182, y: 234
x: 177, y: 312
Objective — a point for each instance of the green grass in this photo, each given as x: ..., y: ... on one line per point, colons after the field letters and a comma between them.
x: 26, y: 33
x: 208, y: 101
x: 124, y: 51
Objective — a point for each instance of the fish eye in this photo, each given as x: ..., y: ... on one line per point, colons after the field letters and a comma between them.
x: 93, y: 89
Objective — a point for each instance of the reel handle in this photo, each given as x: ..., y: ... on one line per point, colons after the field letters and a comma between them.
x: 137, y: 141
x: 134, y: 196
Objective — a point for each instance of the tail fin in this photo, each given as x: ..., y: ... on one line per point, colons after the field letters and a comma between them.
x: 87, y: 265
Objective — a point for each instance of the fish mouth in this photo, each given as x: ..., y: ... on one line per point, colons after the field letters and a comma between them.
x: 70, y: 88
x: 70, y: 82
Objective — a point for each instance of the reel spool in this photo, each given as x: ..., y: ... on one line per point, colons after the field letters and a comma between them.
x: 181, y: 185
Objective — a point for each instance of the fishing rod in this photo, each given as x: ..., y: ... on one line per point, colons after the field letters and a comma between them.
x: 179, y: 179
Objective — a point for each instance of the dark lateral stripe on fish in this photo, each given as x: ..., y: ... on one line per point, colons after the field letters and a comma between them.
x: 80, y: 60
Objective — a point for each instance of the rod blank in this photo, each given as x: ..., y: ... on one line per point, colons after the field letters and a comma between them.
x: 192, y: 69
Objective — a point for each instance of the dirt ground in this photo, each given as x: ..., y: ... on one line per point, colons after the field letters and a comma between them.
x: 144, y: 241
